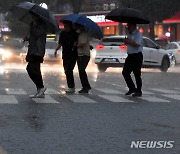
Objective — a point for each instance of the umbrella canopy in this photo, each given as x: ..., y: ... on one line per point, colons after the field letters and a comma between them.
x: 92, y: 28
x: 127, y: 15
x: 22, y: 12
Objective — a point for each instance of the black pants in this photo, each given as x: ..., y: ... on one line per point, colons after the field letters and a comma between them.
x: 34, y: 71
x: 82, y: 64
x: 133, y: 63
x: 69, y: 64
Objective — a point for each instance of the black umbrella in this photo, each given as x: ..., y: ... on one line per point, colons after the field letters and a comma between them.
x: 127, y: 15
x: 22, y: 12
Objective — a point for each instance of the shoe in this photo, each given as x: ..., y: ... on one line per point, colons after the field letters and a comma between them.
x: 70, y: 90
x: 130, y: 92
x: 84, y: 90
x: 89, y: 88
x: 39, y: 96
x: 137, y: 94
x: 34, y: 96
x: 40, y: 93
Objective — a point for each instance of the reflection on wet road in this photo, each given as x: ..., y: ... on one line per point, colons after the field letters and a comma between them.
x: 105, y: 119
x: 51, y: 67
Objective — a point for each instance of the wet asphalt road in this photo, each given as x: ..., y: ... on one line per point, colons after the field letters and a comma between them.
x: 103, y: 122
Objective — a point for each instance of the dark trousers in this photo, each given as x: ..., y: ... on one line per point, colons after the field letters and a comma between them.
x: 69, y: 65
x: 82, y: 64
x: 133, y: 63
x: 34, y: 71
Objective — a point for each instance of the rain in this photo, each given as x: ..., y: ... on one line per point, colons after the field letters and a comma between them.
x: 91, y: 107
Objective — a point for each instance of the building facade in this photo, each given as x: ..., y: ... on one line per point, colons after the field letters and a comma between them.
x: 97, y: 10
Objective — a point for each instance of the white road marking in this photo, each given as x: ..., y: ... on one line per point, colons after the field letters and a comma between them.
x: 114, y: 98
x: 8, y: 99
x: 11, y: 91
x: 50, y: 91
x: 153, y: 99
x: 47, y: 99
x: 147, y: 93
x: 80, y: 98
x: 109, y: 91
x: 166, y: 91
x: 177, y: 97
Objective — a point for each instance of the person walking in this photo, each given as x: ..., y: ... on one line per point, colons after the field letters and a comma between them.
x: 36, y: 51
x: 67, y: 39
x: 83, y: 49
x: 134, y: 60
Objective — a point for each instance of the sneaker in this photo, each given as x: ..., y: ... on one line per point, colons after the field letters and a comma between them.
x: 39, y: 96
x: 70, y: 90
x: 130, y: 92
x: 40, y: 93
x: 34, y: 96
x: 137, y: 94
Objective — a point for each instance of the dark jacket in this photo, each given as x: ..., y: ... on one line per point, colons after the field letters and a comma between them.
x: 67, y: 40
x: 37, y: 40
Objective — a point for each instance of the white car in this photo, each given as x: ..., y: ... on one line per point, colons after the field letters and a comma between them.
x: 111, y: 52
x: 174, y: 49
x: 49, y: 53
x: 10, y: 50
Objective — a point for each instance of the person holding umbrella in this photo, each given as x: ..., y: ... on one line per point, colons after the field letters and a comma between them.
x: 133, y: 41
x: 42, y: 22
x: 67, y: 39
x: 85, y: 28
x: 36, y: 51
x: 134, y: 60
x: 83, y: 49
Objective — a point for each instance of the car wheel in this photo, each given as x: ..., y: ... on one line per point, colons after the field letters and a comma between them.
x: 165, y: 64
x: 101, y: 68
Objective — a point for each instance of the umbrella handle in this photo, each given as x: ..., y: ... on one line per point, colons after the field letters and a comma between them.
x: 26, y: 37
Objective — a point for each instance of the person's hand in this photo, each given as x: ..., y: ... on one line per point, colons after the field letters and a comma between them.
x: 91, y: 47
x: 26, y: 38
x: 55, y: 53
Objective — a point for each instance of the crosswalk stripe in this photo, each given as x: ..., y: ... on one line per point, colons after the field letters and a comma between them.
x: 80, y: 99
x: 8, y: 99
x: 109, y: 91
x: 109, y: 94
x: 166, y: 91
x: 153, y: 99
x: 47, y: 99
x: 177, y: 97
x: 114, y: 98
x: 50, y: 91
x: 147, y: 93
x: 11, y: 91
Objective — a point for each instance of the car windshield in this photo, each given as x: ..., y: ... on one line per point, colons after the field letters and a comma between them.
x: 50, y: 45
x: 111, y: 42
x: 13, y: 43
x: 167, y: 46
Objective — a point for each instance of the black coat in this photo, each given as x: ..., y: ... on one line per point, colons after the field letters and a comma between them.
x: 37, y: 40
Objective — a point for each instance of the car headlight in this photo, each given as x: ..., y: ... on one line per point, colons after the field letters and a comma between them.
x: 5, y: 53
x: 1, y: 51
